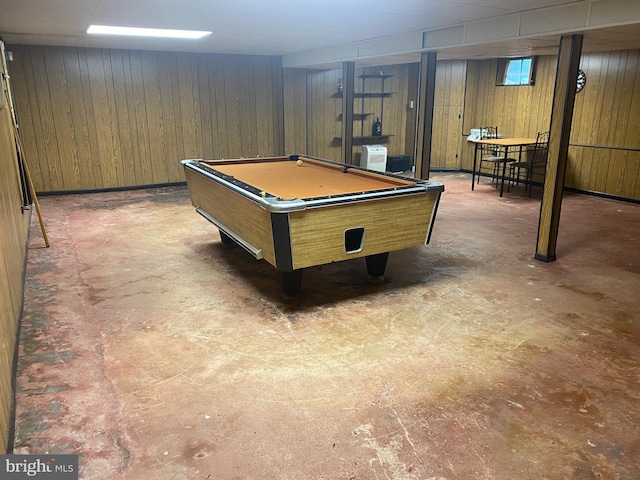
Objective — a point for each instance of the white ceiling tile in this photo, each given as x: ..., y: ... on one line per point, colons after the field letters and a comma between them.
x: 39, y: 39
x: 613, y: 11
x: 443, y: 36
x: 566, y: 18
x: 521, y: 5
x: 484, y: 31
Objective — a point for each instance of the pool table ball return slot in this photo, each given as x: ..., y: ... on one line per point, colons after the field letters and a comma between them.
x: 298, y: 211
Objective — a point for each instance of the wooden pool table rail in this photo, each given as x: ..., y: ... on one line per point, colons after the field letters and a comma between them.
x: 387, y: 185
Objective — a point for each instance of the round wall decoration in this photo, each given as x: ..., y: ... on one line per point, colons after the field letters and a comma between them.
x: 581, y: 81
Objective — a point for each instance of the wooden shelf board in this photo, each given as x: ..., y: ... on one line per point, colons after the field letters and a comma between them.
x: 357, y: 116
x: 381, y: 138
x: 374, y: 76
x: 367, y: 95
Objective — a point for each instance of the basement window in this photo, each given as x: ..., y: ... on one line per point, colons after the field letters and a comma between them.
x: 516, y: 71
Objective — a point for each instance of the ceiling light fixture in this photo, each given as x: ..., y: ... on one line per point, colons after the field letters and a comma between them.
x: 146, y: 32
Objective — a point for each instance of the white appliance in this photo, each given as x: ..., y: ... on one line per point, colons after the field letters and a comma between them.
x: 374, y: 157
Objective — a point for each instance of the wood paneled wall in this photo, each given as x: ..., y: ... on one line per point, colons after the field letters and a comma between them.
x: 97, y: 118
x: 517, y: 111
x: 295, y: 111
x: 604, y: 155
x: 322, y: 112
x: 313, y: 111
x: 448, y: 112
x: 14, y: 226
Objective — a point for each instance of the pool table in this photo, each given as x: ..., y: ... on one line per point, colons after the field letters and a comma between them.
x: 298, y: 211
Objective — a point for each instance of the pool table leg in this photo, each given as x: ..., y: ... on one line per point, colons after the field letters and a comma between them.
x: 376, y: 264
x: 291, y: 282
x: 227, y: 241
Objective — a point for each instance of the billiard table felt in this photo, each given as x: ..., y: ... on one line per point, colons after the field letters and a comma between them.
x: 286, y: 180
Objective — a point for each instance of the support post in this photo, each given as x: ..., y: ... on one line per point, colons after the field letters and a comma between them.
x: 559, y: 132
x: 426, y: 97
x: 348, y: 82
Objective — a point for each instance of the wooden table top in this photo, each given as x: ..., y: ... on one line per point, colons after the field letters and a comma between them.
x: 507, y: 142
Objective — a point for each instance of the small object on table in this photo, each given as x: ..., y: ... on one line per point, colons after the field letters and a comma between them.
x: 299, y: 162
x: 376, y: 128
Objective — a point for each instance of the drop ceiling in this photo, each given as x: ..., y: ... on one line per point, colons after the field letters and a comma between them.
x: 292, y: 27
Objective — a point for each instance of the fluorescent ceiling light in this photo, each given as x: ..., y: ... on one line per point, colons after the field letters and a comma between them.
x: 146, y: 32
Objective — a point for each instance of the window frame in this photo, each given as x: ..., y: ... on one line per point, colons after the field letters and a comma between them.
x: 503, y: 68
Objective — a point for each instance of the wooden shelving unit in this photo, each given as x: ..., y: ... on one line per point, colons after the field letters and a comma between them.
x: 361, y: 116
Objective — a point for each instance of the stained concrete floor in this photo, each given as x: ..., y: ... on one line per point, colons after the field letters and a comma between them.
x: 155, y: 354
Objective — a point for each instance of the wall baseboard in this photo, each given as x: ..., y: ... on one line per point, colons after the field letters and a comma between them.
x: 114, y: 189
x: 566, y: 189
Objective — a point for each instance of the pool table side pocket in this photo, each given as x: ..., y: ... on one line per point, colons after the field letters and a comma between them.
x: 318, y: 236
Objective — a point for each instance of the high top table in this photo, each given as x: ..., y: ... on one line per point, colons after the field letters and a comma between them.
x: 506, y: 143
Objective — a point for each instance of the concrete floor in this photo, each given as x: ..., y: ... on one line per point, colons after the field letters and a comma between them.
x: 155, y: 354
